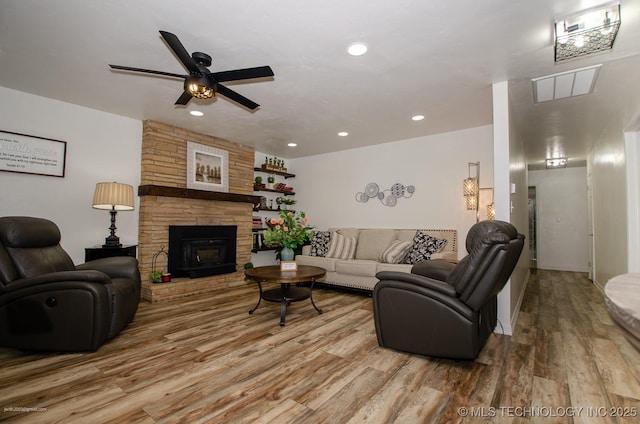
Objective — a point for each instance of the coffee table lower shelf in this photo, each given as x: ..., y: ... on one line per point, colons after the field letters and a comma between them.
x: 285, y: 295
x: 288, y: 291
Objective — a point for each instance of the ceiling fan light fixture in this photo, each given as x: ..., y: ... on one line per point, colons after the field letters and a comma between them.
x: 198, y: 87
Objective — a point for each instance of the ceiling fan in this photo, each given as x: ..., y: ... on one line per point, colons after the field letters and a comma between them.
x: 202, y: 83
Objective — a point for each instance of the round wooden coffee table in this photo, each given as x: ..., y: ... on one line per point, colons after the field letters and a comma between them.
x: 286, y: 293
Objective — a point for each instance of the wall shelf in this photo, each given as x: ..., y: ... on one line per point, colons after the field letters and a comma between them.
x: 286, y: 193
x: 264, y: 249
x: 273, y: 210
x: 286, y: 175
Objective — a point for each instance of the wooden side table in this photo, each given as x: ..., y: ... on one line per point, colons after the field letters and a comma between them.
x: 99, y: 252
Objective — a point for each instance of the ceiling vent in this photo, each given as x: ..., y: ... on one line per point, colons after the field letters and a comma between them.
x: 565, y: 84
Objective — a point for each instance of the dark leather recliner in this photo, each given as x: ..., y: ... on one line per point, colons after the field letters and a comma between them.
x: 47, y: 303
x: 443, y: 309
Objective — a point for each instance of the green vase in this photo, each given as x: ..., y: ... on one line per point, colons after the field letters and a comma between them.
x: 286, y: 254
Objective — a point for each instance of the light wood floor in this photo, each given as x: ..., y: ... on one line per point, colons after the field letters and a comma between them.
x: 205, y: 359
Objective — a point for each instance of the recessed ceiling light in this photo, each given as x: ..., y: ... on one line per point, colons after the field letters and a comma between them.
x: 417, y: 117
x: 292, y: 144
x: 343, y: 133
x: 196, y: 113
x: 357, y: 49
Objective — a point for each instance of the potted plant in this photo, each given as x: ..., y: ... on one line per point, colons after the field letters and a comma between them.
x: 271, y: 179
x: 289, y: 231
x: 156, y: 276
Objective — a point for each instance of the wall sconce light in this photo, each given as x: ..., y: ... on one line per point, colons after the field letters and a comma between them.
x: 471, y: 188
x: 590, y: 31
x: 113, y: 197
x: 471, y: 191
x: 472, y: 203
x: 491, y: 208
x: 470, y: 185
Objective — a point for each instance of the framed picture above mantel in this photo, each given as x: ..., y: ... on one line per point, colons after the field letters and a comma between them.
x: 207, y: 168
x: 29, y: 154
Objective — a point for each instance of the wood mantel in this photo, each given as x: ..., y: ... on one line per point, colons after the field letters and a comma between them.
x: 188, y: 193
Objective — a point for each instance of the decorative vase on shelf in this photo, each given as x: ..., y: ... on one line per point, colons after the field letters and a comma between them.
x: 286, y: 254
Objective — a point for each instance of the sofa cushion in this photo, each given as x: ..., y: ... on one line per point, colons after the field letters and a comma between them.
x: 423, y: 246
x: 320, y: 243
x: 396, y: 252
x: 347, y: 232
x: 372, y: 242
x: 361, y: 267
x: 341, y: 247
x: 329, y: 264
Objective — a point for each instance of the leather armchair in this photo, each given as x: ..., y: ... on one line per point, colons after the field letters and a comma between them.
x: 443, y: 309
x: 47, y: 303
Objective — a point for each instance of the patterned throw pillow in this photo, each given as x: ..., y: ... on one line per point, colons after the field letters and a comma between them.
x: 423, y: 247
x: 320, y: 243
x: 396, y: 252
x: 341, y: 247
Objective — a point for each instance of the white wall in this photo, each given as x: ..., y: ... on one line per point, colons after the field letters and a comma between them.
x: 562, y: 233
x: 607, y: 164
x: 326, y: 185
x: 100, y: 147
x: 632, y: 145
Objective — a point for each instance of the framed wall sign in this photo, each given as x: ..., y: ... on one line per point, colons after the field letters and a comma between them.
x: 207, y: 168
x: 28, y: 154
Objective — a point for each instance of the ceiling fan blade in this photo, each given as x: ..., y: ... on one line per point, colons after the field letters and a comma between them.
x: 236, y: 97
x: 180, y: 51
x: 242, y: 74
x: 183, y: 99
x: 146, y: 71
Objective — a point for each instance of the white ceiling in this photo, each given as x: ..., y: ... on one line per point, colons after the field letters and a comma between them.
x: 438, y: 59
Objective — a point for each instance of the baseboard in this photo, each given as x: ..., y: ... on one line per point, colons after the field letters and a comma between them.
x: 507, y: 330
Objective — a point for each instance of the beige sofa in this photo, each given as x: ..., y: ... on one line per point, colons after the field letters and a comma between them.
x: 360, y: 272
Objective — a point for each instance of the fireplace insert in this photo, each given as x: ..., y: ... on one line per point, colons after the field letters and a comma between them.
x: 202, y: 250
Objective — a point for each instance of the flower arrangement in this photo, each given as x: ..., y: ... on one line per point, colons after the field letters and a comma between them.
x: 290, y: 230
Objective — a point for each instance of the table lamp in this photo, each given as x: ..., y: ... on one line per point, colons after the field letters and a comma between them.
x: 113, y: 197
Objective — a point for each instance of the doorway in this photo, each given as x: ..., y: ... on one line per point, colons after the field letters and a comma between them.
x: 533, y: 261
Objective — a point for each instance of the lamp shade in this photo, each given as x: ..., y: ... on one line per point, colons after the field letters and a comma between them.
x: 470, y: 187
x: 491, y: 211
x: 112, y: 195
x: 472, y: 203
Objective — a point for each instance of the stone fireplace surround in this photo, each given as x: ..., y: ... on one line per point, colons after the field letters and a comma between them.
x: 165, y: 200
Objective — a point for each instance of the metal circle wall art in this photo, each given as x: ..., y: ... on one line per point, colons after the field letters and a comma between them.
x: 388, y: 197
